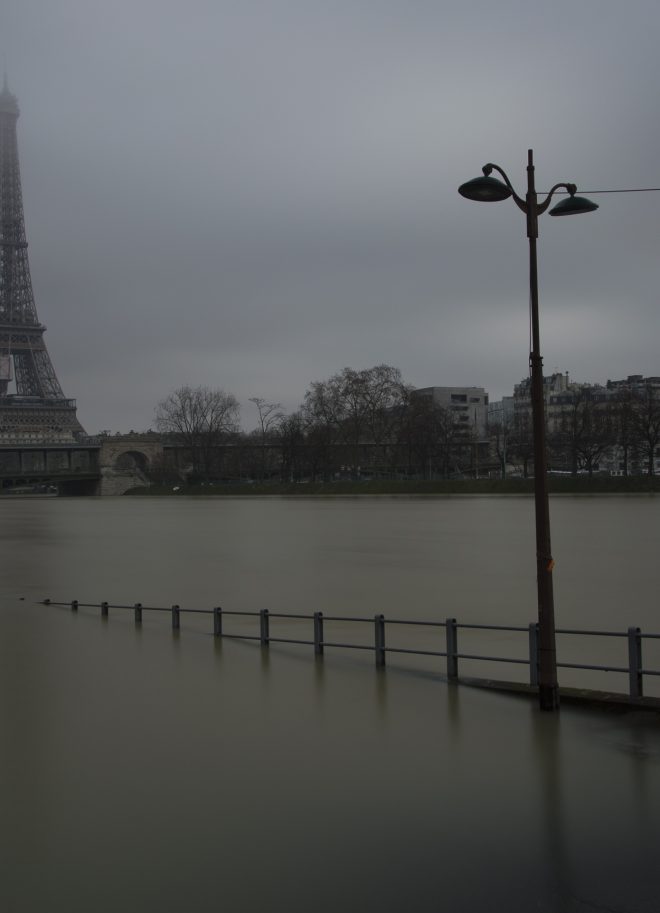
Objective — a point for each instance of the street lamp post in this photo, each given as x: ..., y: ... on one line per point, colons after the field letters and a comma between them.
x: 489, y: 189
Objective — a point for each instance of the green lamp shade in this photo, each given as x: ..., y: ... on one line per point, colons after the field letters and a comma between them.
x: 485, y: 190
x: 573, y: 205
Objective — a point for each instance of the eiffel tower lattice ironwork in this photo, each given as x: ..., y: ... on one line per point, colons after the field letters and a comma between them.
x: 34, y: 408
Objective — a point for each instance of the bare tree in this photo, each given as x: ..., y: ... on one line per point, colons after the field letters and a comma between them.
x: 585, y: 432
x: 357, y: 409
x: 270, y: 416
x: 521, y: 444
x: 291, y: 432
x: 624, y: 429
x: 596, y: 433
x: 200, y: 418
x: 432, y: 439
x: 417, y: 435
x: 501, y: 432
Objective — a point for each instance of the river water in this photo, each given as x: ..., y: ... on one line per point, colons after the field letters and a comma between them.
x: 149, y: 770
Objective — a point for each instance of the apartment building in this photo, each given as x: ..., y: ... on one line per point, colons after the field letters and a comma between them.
x: 584, y: 416
x: 468, y: 405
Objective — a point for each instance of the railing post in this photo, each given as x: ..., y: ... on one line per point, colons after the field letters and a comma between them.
x: 137, y: 608
x: 318, y: 633
x: 635, y: 662
x: 263, y: 626
x: 74, y: 605
x: 452, y: 648
x: 379, y: 633
x: 104, y: 609
x: 176, y: 622
x: 217, y: 621
x: 534, y: 654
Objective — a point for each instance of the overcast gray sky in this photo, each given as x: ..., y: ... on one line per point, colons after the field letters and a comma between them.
x: 254, y: 194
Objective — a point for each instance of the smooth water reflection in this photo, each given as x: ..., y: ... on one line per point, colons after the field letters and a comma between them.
x: 150, y: 771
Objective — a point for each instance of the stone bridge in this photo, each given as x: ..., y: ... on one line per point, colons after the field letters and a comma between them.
x: 124, y: 462
x: 101, y: 466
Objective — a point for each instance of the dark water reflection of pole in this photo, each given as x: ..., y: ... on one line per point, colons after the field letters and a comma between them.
x: 319, y: 683
x: 453, y: 708
x: 380, y: 693
x: 546, y: 737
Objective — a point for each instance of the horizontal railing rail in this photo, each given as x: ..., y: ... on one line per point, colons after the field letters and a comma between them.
x: 635, y: 669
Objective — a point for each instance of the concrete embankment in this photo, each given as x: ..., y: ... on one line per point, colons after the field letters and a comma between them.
x: 557, y: 485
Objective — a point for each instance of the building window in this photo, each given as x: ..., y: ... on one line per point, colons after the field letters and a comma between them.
x: 459, y: 397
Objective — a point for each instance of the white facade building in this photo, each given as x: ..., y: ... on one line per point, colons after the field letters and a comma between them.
x: 469, y: 406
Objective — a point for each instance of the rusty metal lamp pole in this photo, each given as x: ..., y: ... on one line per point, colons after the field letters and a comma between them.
x: 490, y: 189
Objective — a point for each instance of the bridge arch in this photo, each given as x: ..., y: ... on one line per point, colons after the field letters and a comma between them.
x: 129, y: 452
x: 131, y: 460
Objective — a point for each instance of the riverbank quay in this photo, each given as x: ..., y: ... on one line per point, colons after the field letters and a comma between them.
x: 557, y: 485
x: 606, y: 701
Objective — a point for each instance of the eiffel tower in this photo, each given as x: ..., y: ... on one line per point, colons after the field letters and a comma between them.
x: 33, y: 407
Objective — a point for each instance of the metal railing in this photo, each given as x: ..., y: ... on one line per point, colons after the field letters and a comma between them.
x: 635, y: 669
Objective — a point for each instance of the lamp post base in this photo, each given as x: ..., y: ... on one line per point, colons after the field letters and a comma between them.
x: 549, y: 697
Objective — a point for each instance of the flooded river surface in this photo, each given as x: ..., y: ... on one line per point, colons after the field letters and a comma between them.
x: 144, y: 769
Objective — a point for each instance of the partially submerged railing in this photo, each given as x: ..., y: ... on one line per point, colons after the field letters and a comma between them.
x: 635, y: 669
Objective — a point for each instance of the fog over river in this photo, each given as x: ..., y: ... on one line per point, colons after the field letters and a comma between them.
x: 145, y: 769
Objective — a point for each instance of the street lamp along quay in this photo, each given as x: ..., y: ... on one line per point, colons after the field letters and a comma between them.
x: 487, y: 189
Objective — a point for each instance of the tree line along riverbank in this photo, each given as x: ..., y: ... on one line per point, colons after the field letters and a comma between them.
x: 557, y: 485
